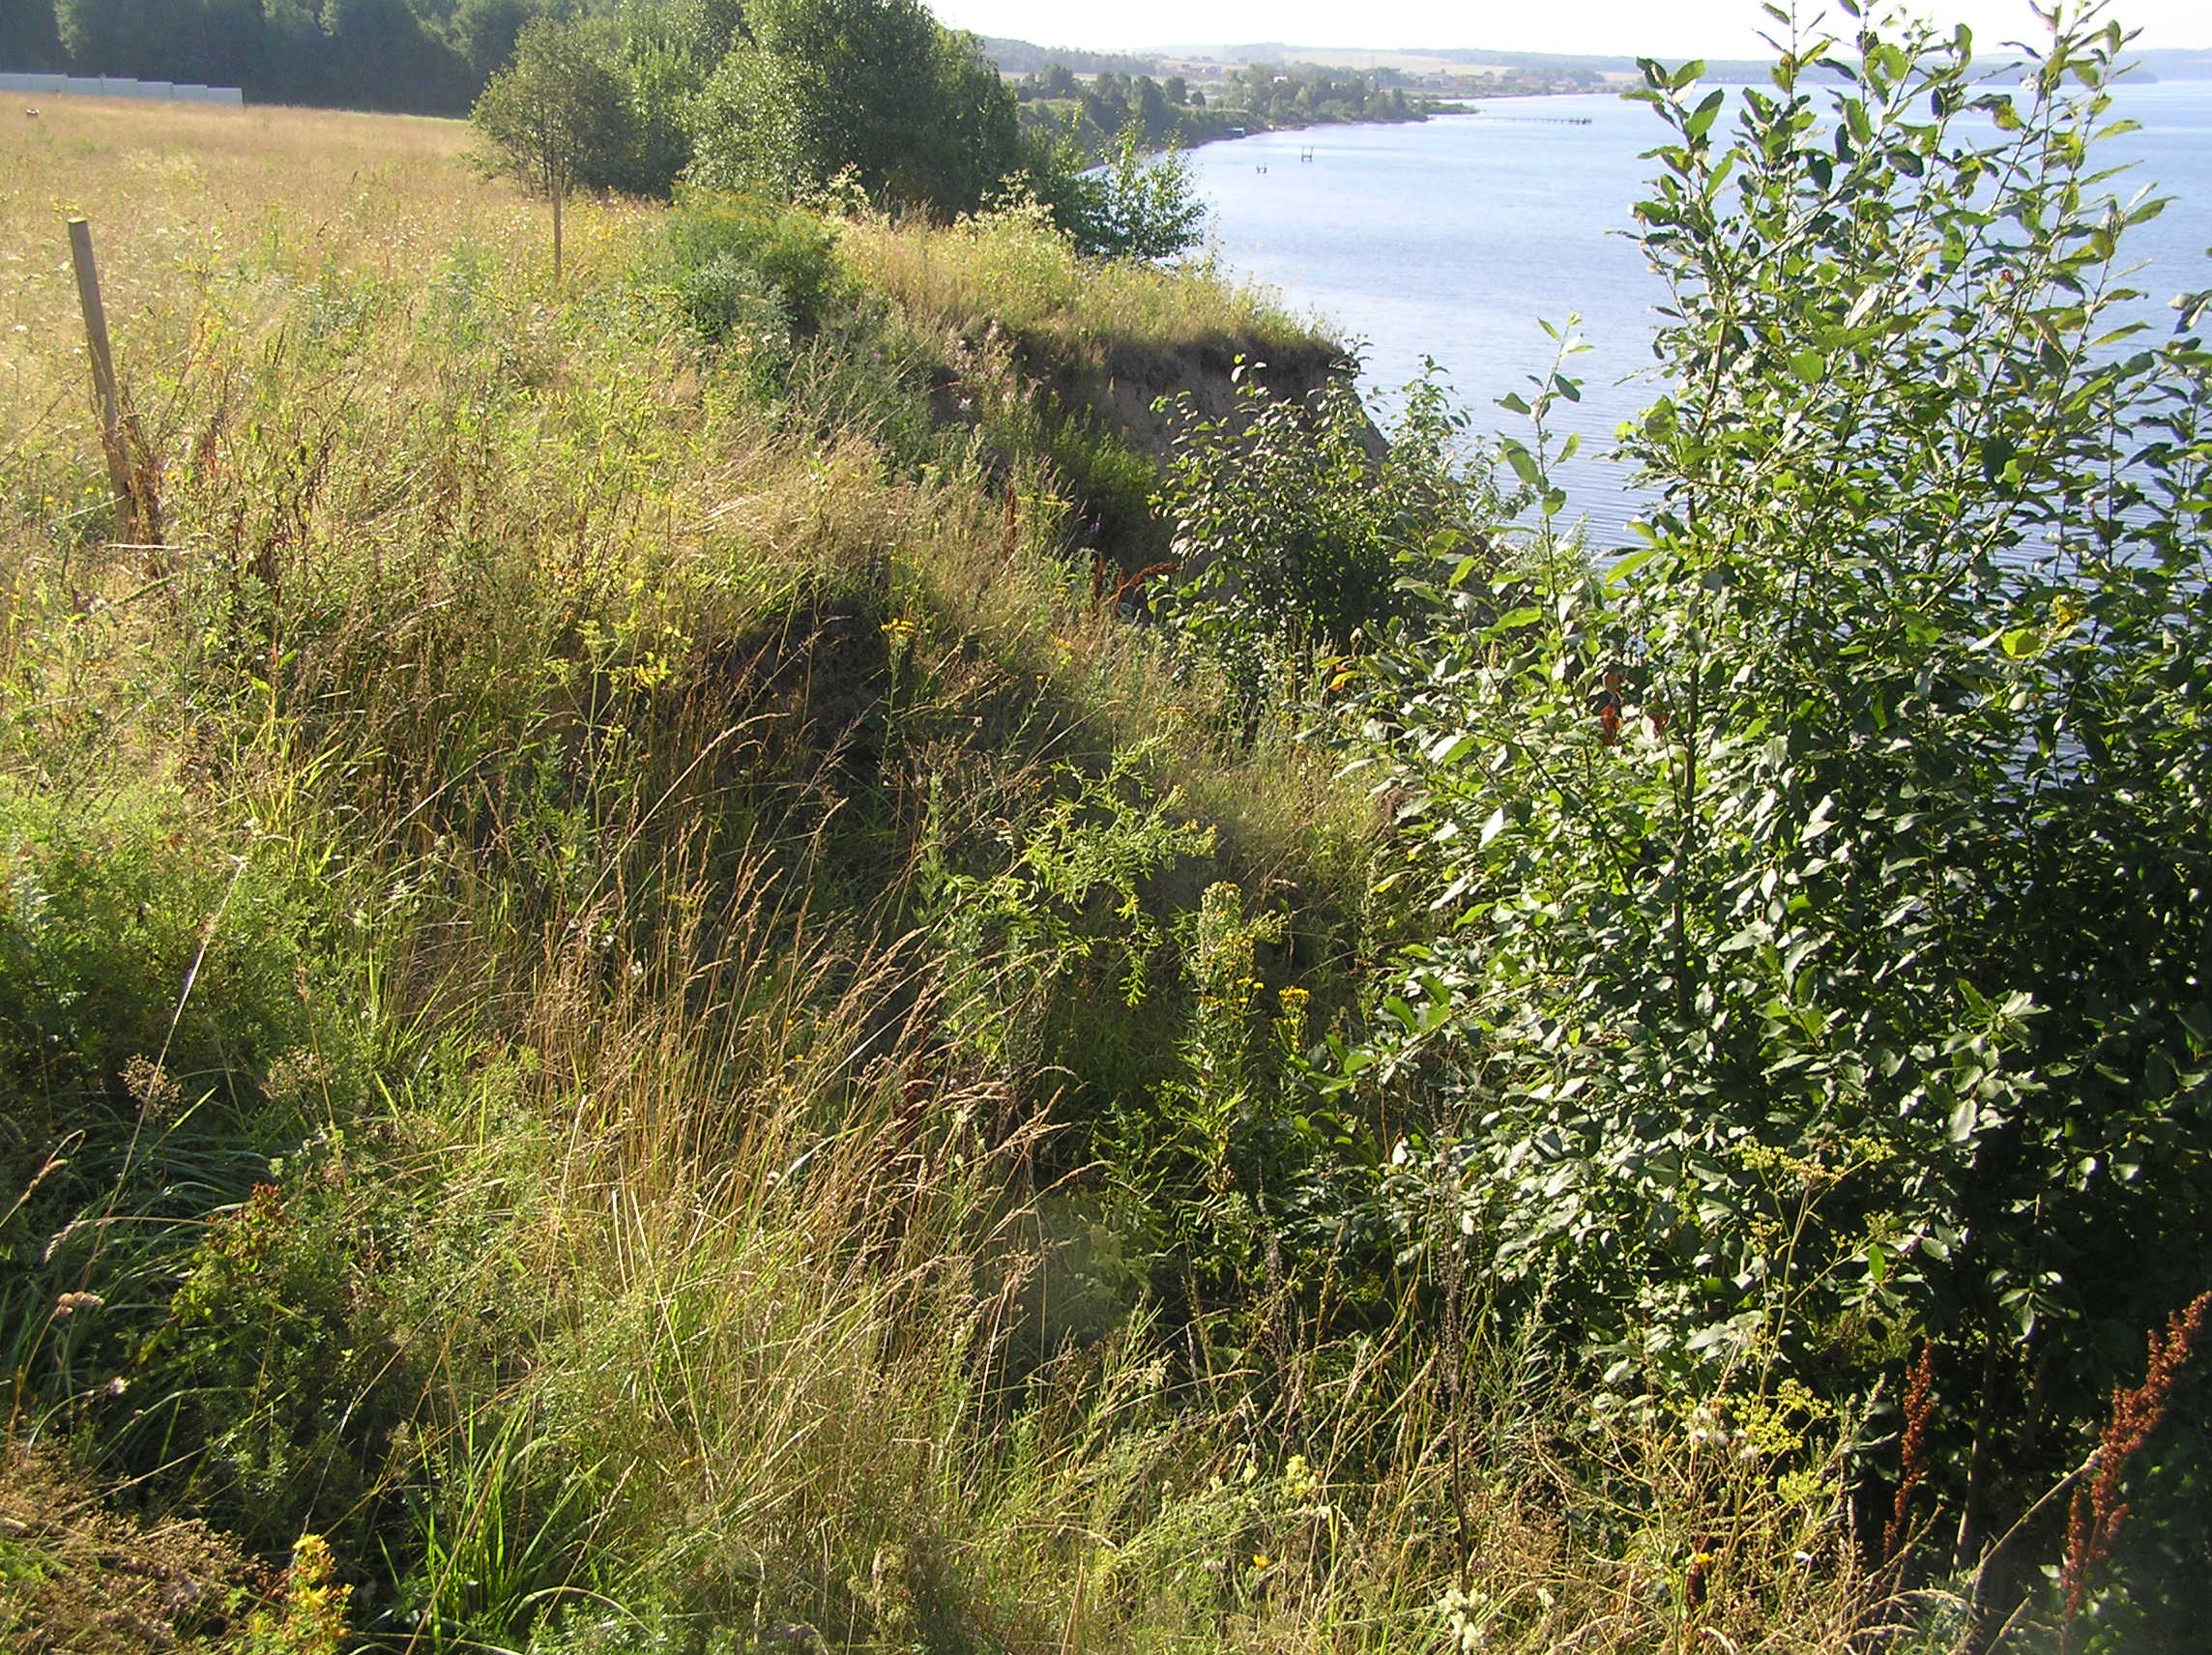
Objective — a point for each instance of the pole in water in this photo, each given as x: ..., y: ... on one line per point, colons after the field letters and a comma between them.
x: 102, y: 363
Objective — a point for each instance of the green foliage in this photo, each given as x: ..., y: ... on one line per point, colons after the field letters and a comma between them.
x: 1301, y: 93
x: 124, y: 935
x: 383, y: 54
x: 1292, y: 531
x: 1818, y: 967
x: 1206, y: 1151
x: 741, y: 265
x: 29, y: 39
x: 675, y: 1072
x: 871, y: 88
x: 556, y: 113
x: 1059, y: 919
x: 1127, y: 206
x: 269, y: 1358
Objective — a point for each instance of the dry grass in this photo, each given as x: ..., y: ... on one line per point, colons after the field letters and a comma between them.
x: 197, y: 210
x: 77, y: 1578
x: 1009, y: 269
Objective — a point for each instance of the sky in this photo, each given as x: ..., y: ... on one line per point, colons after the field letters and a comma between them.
x: 1664, y: 28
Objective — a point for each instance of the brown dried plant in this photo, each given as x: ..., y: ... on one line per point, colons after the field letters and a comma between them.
x: 2098, y: 1512
x: 1919, y: 1405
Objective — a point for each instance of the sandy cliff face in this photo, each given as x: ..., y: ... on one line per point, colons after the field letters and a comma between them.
x: 1121, y: 385
x: 1109, y: 413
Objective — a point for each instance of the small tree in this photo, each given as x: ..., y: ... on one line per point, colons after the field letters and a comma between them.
x: 874, y: 87
x: 1128, y: 204
x: 550, y: 113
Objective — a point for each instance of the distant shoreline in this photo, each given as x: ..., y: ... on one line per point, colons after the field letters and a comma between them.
x: 1454, y: 108
x: 1233, y: 134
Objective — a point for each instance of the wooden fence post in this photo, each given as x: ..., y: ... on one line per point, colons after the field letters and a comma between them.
x: 103, y: 369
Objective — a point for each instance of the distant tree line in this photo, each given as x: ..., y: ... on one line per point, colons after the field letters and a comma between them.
x: 420, y: 56
x: 1097, y: 114
x: 1293, y: 93
x: 1112, y: 100
x: 780, y: 99
x: 1024, y: 58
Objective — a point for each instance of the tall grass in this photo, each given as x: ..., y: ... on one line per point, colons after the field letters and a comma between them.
x: 483, y: 1031
x: 1012, y: 269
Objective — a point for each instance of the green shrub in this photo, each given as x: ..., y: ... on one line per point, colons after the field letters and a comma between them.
x: 1129, y: 204
x: 126, y: 935
x: 736, y: 259
x: 1292, y: 533
x: 1820, y: 957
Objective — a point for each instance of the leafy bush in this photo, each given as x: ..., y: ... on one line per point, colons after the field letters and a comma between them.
x: 738, y: 261
x: 1822, y: 961
x: 873, y: 88
x: 1125, y: 205
x: 125, y: 935
x: 1063, y: 923
x: 1292, y: 531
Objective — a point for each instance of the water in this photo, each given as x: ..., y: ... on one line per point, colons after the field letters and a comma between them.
x: 1452, y: 238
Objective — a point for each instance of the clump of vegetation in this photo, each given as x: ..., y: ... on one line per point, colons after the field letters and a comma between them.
x: 874, y: 89
x: 1818, y: 986
x: 1018, y: 270
x: 1130, y: 206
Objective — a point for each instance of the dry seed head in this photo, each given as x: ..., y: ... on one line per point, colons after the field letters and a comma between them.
x: 152, y: 1088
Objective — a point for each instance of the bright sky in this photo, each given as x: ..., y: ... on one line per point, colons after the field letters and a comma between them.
x: 1664, y: 28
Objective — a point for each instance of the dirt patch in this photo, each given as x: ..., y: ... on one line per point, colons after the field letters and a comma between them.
x: 1121, y: 386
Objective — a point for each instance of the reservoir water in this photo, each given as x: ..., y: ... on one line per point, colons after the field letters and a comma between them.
x: 1452, y: 238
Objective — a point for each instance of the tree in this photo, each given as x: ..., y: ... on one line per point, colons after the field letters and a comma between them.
x: 550, y: 113
x: 28, y: 37
x: 870, y: 87
x: 1130, y: 206
x: 484, y: 31
x: 125, y: 36
x: 1153, y: 113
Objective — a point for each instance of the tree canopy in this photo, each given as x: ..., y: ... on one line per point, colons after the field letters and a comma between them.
x: 873, y: 88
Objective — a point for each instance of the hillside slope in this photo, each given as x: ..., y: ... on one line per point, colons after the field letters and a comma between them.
x: 735, y: 955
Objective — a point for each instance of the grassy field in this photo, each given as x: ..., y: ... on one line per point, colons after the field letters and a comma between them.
x: 601, y: 936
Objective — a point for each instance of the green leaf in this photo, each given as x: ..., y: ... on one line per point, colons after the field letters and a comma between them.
x: 1624, y: 567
